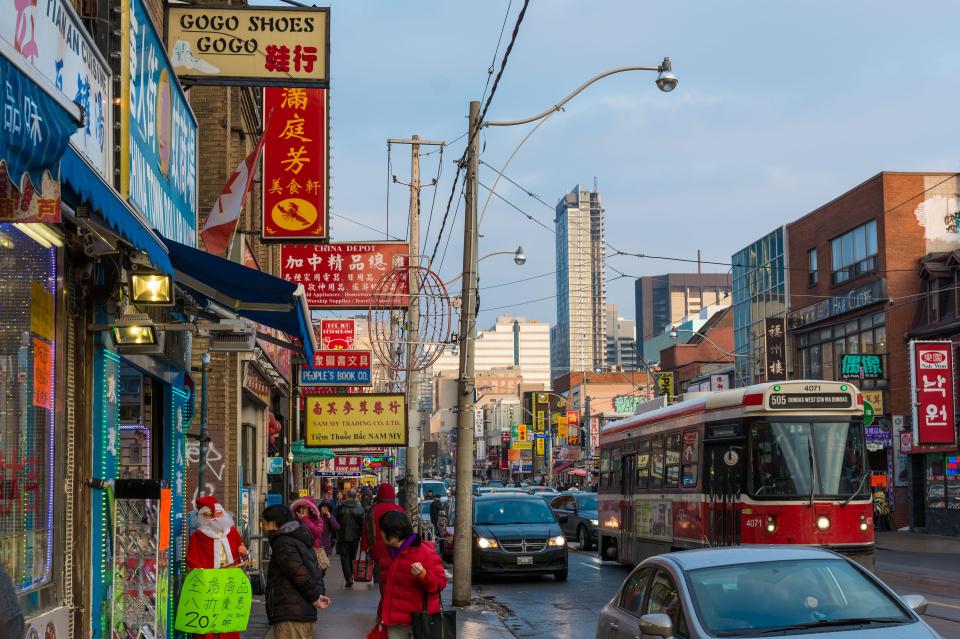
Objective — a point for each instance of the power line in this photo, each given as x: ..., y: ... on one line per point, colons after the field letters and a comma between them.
x: 366, y: 226
x: 433, y: 200
x: 496, y: 51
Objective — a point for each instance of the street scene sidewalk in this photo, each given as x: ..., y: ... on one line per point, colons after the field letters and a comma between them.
x: 353, y: 611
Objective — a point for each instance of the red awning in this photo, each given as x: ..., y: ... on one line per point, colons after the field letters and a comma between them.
x: 562, y: 466
x: 578, y: 472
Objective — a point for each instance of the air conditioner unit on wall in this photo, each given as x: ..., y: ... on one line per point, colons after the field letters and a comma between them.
x: 233, y: 336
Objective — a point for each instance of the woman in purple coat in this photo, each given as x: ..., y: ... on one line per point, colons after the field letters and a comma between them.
x: 330, y: 526
x: 306, y: 511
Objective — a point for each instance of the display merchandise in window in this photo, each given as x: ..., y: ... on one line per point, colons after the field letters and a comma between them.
x: 935, y: 480
x: 28, y: 391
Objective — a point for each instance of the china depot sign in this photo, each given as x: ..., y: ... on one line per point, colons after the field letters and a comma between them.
x: 344, y: 275
x: 250, y: 46
x: 932, y: 373
x: 295, y: 155
x: 158, y: 132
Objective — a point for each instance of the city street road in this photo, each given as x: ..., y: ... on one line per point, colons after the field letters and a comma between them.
x: 541, y: 608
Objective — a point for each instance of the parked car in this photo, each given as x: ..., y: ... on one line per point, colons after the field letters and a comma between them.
x: 577, y: 515
x: 486, y: 490
x: 513, y: 533
x: 753, y: 591
x: 493, y: 483
x: 436, y: 486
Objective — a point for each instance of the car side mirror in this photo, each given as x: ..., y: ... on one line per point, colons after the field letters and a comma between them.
x: 656, y: 625
x: 916, y: 603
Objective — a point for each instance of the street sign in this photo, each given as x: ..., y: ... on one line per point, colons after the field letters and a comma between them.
x: 868, y: 413
x: 522, y: 432
x: 665, y: 383
x: 338, y: 368
x: 540, y: 441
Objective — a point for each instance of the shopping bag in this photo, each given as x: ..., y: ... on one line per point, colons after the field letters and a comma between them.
x: 440, y: 625
x: 363, y: 569
x: 322, y: 560
x: 379, y: 631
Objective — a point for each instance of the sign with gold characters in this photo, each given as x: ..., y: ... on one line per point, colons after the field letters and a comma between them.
x: 339, y: 421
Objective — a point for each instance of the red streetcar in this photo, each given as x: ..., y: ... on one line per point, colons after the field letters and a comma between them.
x: 775, y: 463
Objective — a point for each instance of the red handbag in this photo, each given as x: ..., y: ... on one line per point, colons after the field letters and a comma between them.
x: 379, y: 631
x: 363, y: 571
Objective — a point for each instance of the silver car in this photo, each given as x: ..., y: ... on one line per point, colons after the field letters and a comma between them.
x: 759, y: 591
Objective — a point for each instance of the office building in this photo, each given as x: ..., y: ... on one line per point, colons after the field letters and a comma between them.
x: 578, y: 340
x: 621, y: 353
x: 662, y: 300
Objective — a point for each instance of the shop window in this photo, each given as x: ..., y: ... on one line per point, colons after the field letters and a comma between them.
x: 29, y: 389
x: 936, y: 482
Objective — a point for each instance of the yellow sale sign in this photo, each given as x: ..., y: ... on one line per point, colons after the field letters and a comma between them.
x: 338, y: 421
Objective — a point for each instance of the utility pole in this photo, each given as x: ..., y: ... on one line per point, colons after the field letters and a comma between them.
x: 412, y: 478
x: 463, y: 526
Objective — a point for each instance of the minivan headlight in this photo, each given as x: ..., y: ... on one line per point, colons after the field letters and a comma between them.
x: 594, y: 522
x: 559, y: 540
x: 485, y: 543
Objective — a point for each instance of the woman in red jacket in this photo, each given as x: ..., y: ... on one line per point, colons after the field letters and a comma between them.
x: 414, y: 576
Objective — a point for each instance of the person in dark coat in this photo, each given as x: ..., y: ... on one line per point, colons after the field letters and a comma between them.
x: 372, y: 540
x: 413, y: 574
x: 12, y: 623
x: 435, y: 506
x: 294, y: 582
x: 350, y: 514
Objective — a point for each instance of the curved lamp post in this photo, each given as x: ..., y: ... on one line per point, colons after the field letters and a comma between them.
x: 463, y: 537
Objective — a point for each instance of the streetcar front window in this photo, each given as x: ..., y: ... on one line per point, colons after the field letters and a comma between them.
x: 799, y: 459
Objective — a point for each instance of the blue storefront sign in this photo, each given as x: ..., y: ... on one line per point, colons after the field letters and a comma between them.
x: 338, y: 368
x: 158, y: 139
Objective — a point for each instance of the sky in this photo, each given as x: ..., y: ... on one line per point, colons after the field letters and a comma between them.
x: 780, y: 108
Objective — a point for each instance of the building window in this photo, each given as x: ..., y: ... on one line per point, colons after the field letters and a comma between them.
x: 854, y: 253
x: 812, y: 267
x: 819, y: 351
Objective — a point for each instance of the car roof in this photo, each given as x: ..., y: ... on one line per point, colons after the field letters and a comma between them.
x: 504, y: 495
x: 715, y: 557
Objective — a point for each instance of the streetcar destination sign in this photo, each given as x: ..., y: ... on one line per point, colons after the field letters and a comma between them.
x: 793, y: 401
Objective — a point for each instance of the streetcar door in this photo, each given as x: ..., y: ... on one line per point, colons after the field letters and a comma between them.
x: 723, y: 463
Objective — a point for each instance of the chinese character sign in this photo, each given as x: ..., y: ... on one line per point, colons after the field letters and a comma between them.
x: 50, y: 36
x: 338, y: 368
x: 934, y: 392
x: 158, y: 138
x: 343, y: 274
x: 295, y: 164
x: 854, y: 366
x: 776, y: 342
x: 338, y: 421
x: 214, y: 601
x: 336, y: 333
x: 258, y: 46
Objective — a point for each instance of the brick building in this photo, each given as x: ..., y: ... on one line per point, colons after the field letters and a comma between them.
x: 709, y: 352
x: 854, y: 265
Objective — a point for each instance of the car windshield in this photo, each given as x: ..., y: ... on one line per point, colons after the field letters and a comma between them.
x: 438, y: 488
x: 513, y: 511
x: 587, y: 502
x: 800, y: 459
x: 495, y: 484
x: 759, y: 598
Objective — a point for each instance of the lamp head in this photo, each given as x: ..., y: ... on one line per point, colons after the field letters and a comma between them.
x: 673, y: 332
x: 519, y: 258
x: 666, y: 80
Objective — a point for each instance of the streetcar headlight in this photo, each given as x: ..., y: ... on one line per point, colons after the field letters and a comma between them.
x: 559, y: 540
x: 771, y: 524
x: 863, y: 523
x: 823, y: 522
x: 485, y: 543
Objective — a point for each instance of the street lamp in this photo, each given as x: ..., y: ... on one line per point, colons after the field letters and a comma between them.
x: 519, y: 258
x: 463, y: 537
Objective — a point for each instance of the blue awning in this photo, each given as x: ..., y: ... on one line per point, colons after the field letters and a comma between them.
x: 258, y: 296
x: 37, y: 121
x: 82, y: 185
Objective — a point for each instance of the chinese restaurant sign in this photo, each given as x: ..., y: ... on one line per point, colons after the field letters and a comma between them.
x: 861, y: 366
x: 339, y: 466
x: 250, y: 46
x: 932, y: 379
x: 295, y: 165
x: 158, y: 132
x: 336, y: 334
x: 34, y: 133
x: 338, y: 368
x: 50, y: 36
x: 338, y: 421
x: 343, y: 274
x: 214, y: 601
x: 776, y: 340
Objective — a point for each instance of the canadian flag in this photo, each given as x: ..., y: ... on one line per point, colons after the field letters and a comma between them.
x: 222, y: 221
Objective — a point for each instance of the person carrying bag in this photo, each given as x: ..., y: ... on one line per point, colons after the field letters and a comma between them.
x: 415, y: 577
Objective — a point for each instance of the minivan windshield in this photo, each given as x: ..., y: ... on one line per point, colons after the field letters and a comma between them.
x: 511, y: 511
x: 438, y: 488
x: 586, y: 502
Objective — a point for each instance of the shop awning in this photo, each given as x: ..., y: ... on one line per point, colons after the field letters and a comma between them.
x: 578, y: 472
x: 38, y: 121
x: 82, y: 185
x: 258, y: 296
x: 562, y: 466
x: 304, y: 455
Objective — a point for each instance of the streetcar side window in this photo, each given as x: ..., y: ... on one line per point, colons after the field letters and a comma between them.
x: 672, y: 474
x: 616, y: 478
x: 605, y: 468
x: 643, y: 464
x: 627, y: 473
x: 656, y: 463
x: 689, y: 457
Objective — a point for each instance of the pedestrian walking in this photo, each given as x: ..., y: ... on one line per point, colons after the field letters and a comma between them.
x: 11, y: 617
x: 331, y: 528
x: 306, y: 511
x: 350, y: 514
x: 435, y: 506
x: 372, y: 541
x: 294, y: 581
x: 415, y: 576
x: 881, y: 510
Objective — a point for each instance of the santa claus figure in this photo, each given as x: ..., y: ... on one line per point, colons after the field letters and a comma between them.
x: 215, y: 544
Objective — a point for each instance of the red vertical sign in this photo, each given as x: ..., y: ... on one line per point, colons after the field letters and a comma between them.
x: 295, y: 165
x: 336, y: 334
x: 933, y: 389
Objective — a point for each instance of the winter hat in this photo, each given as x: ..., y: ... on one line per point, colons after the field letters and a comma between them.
x: 386, y: 493
x: 208, y: 504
